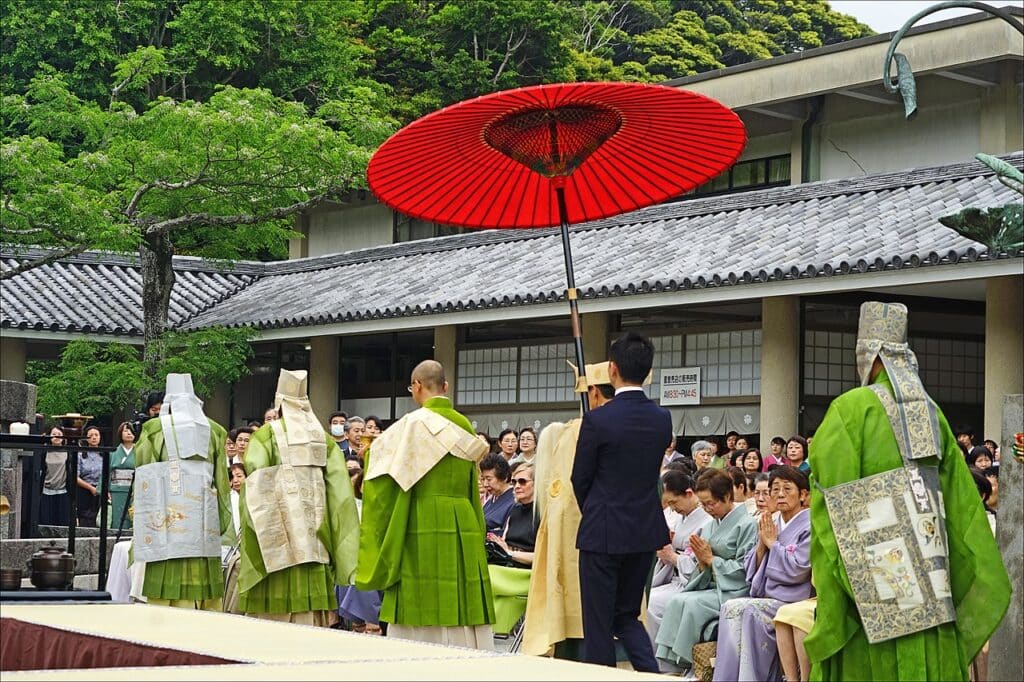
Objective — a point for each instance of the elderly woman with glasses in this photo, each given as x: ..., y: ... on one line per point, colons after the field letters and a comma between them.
x: 511, y: 585
x: 720, y: 548
x: 779, y: 571
x: 508, y: 444
x: 520, y: 533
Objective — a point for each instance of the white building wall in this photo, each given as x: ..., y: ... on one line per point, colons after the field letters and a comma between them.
x: 864, y: 146
x: 767, y: 145
x: 349, y: 228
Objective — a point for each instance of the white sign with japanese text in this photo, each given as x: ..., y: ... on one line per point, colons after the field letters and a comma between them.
x: 680, y: 386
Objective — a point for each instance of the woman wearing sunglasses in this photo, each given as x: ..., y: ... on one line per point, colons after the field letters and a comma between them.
x: 520, y: 533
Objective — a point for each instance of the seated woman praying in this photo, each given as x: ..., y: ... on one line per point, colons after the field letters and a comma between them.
x: 779, y: 571
x: 720, y: 547
x: 675, y: 560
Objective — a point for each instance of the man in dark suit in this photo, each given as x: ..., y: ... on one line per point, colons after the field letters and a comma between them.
x: 615, y: 479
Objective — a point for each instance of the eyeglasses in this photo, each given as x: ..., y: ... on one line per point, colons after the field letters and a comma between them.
x: 521, y: 481
x: 761, y: 493
x: 415, y: 381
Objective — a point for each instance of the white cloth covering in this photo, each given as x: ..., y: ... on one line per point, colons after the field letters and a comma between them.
x: 186, y: 428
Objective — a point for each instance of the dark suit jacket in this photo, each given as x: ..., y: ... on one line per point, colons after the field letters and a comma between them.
x: 615, y: 476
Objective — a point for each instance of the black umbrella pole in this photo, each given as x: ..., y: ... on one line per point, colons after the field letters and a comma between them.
x: 574, y: 312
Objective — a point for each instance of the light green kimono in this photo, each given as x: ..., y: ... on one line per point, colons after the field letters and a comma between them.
x: 856, y: 440
x: 425, y: 547
x: 690, y: 614
x: 309, y: 586
x: 198, y: 578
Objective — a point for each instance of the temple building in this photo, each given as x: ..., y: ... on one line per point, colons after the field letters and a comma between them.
x: 754, y: 280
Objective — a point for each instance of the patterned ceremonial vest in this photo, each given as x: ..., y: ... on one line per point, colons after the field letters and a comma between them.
x: 287, y: 503
x: 176, y: 513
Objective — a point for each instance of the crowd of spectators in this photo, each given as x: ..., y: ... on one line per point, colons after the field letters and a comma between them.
x: 724, y: 499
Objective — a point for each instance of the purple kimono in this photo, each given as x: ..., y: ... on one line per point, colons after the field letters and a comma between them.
x: 746, y: 633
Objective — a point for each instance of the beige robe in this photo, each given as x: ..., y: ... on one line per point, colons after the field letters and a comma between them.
x: 554, y: 611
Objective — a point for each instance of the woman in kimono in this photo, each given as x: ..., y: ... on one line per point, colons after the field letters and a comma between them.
x: 720, y: 548
x: 779, y: 571
x: 676, y: 560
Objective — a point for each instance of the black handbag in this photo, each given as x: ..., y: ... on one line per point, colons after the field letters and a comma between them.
x: 498, y: 556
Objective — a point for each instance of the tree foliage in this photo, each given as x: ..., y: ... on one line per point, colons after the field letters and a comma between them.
x: 109, y: 379
x: 199, y: 127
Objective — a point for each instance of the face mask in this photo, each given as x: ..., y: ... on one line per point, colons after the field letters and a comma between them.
x: 337, y: 430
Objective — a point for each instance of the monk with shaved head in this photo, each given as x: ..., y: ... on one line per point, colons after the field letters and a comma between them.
x: 428, y: 376
x: 422, y: 533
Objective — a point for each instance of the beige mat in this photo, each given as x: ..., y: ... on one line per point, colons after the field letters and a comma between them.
x: 283, y: 651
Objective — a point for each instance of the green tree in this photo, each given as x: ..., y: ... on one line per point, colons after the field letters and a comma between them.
x: 306, y: 51
x: 224, y: 174
x: 109, y: 379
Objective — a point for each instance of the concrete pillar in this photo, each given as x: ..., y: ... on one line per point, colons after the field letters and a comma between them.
x: 780, y: 366
x: 217, y: 406
x: 12, y: 358
x: 17, y: 404
x: 796, y: 152
x: 596, y: 327
x: 446, y: 352
x: 1004, y: 329
x: 1007, y: 648
x: 323, y: 375
x: 1002, y: 118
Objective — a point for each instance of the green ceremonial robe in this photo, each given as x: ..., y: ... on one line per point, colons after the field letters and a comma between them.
x: 425, y: 547
x: 309, y: 586
x: 195, y: 578
x: 856, y: 440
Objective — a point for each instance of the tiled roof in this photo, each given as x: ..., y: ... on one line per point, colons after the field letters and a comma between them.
x: 102, y: 293
x: 823, y: 229
x: 819, y: 229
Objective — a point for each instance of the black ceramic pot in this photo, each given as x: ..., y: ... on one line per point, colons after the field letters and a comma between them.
x: 52, y: 568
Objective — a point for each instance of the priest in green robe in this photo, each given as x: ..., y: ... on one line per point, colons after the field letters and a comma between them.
x: 187, y: 580
x: 299, y: 524
x: 422, y: 536
x: 888, y: 423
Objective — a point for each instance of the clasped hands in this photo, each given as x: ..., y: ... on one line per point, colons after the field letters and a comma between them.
x: 702, y: 550
x: 767, y: 531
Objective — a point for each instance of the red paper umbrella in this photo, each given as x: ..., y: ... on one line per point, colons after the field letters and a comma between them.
x: 555, y: 155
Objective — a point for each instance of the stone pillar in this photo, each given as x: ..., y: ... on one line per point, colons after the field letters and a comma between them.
x: 796, y: 153
x: 1002, y: 121
x: 1004, y: 331
x: 12, y: 358
x: 446, y: 352
x: 780, y: 366
x: 596, y: 327
x: 1007, y: 647
x: 323, y: 375
x: 17, y: 404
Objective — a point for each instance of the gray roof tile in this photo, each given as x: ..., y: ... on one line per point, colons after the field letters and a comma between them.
x: 829, y: 228
x: 102, y: 293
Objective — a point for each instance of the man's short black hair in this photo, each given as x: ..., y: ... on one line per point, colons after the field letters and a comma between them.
x: 633, y: 354
x: 963, y: 430
x: 779, y: 440
x: 343, y: 415
x: 607, y: 390
x: 732, y: 433
x: 498, y: 464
